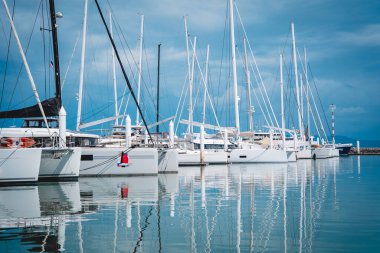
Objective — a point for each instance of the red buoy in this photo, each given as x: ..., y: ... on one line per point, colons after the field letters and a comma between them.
x: 124, y: 192
x: 123, y: 160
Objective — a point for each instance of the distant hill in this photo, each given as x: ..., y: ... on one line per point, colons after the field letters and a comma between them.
x: 363, y: 143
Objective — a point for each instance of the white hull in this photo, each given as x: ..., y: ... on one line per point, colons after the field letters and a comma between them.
x: 257, y: 156
x: 168, y: 161
x: 335, y: 152
x: 291, y: 155
x: 104, y: 162
x: 19, y: 164
x: 304, y: 154
x: 193, y: 157
x: 59, y: 163
x: 324, y: 152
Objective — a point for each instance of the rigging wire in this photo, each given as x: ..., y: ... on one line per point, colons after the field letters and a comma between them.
x: 319, y: 99
x: 7, y: 58
x: 69, y: 64
x: 122, y: 39
x: 21, y: 65
x: 42, y: 29
x: 220, y: 107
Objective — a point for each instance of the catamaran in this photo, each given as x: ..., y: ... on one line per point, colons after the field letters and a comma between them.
x: 55, y: 161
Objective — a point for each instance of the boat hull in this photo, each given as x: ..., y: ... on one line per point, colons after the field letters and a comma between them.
x: 304, y: 154
x: 19, y: 165
x: 257, y: 156
x: 344, y: 149
x: 193, y: 157
x: 104, y: 162
x: 291, y: 156
x: 168, y: 161
x: 59, y: 164
x: 323, y: 152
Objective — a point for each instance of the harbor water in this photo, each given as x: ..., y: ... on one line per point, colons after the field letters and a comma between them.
x: 328, y: 205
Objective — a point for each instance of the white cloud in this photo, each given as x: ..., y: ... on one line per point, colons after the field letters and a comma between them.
x: 368, y: 35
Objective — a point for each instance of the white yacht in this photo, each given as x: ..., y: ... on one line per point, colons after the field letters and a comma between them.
x: 53, y: 161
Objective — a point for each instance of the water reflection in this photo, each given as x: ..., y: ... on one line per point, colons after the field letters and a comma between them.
x: 238, y: 208
x: 33, y: 217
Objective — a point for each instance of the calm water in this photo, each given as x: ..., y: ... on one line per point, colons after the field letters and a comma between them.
x: 310, y: 206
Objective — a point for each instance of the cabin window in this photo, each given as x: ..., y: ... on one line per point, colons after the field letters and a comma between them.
x: 87, y: 158
x: 243, y: 156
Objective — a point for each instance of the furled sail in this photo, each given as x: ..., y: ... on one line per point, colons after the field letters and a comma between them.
x: 51, y: 108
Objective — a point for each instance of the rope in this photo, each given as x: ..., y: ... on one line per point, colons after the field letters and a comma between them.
x: 71, y: 58
x: 26, y: 51
x: 6, y: 159
x: 106, y: 162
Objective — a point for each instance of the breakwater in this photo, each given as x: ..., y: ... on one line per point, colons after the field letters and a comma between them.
x: 365, y: 151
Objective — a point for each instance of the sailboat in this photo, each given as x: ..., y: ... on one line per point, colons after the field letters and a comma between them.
x: 13, y: 156
x: 200, y: 148
x: 106, y: 158
x: 56, y: 160
x: 248, y: 152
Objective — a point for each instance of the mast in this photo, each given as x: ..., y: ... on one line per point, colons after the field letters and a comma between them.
x: 191, y: 84
x: 55, y: 52
x: 307, y: 95
x: 234, y: 75
x: 301, y: 96
x: 206, y: 81
x: 81, y: 75
x: 333, y: 107
x: 140, y: 67
x: 122, y: 67
x: 248, y: 77
x: 188, y: 63
x: 296, y: 78
x: 282, y: 102
x: 26, y: 66
x: 158, y: 88
x: 114, y: 78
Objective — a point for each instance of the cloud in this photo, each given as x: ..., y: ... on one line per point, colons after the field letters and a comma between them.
x: 351, y: 110
x: 368, y: 35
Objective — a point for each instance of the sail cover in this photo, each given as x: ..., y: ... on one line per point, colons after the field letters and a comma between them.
x: 51, y: 108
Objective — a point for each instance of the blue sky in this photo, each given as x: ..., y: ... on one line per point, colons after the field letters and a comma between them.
x: 343, y: 42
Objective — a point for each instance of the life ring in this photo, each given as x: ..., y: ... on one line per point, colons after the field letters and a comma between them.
x: 27, y: 142
x: 7, y: 142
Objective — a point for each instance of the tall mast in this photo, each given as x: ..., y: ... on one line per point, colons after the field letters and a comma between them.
x: 122, y: 67
x: 206, y: 81
x: 158, y: 88
x: 191, y: 84
x: 81, y: 75
x: 114, y: 78
x: 31, y: 80
x: 296, y: 78
x: 188, y: 58
x: 55, y: 52
x: 248, y: 77
x: 234, y: 75
x: 301, y: 96
x: 333, y: 107
x: 140, y: 66
x: 307, y: 95
x: 282, y: 102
